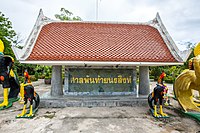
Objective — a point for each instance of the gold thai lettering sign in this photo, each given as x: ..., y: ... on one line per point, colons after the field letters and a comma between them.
x: 100, y: 80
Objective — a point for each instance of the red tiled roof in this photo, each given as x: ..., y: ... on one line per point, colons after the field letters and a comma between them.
x: 81, y: 41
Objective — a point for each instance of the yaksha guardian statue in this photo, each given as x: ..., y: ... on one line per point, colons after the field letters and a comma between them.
x: 8, y: 79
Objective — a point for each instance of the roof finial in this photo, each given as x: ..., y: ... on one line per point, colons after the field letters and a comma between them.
x: 157, y: 15
x: 41, y: 14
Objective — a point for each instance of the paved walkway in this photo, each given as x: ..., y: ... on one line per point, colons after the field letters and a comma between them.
x: 94, y: 119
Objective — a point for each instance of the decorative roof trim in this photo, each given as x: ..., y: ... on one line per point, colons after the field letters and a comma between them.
x: 17, y: 52
x: 26, y: 51
x: 100, y: 63
x: 185, y: 54
x: 158, y: 24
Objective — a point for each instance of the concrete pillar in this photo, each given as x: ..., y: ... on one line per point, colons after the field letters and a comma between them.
x: 134, y: 79
x: 56, y: 81
x: 144, y: 86
x: 66, y: 81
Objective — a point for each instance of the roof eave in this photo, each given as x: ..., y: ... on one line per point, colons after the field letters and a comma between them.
x: 100, y: 63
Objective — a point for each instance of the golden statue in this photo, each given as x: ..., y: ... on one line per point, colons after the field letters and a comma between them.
x: 188, y: 81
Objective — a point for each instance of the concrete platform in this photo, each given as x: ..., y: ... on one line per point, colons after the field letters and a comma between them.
x: 92, y: 101
x: 87, y: 100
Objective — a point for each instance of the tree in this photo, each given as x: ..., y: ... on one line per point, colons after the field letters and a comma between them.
x: 9, y: 36
x: 6, y: 34
x: 67, y: 15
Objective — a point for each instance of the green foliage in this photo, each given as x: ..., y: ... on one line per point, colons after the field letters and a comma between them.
x: 47, y: 72
x: 169, y: 79
x: 151, y: 77
x: 36, y: 75
x: 155, y: 72
x: 66, y: 15
x: 20, y: 68
x: 6, y: 34
x: 33, y: 78
x: 39, y: 68
x: 171, y: 72
x: 41, y: 76
x: 40, y: 71
x: 21, y: 79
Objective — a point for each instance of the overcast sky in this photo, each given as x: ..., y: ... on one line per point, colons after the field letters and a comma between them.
x: 180, y: 17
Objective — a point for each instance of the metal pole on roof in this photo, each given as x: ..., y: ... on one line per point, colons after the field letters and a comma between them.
x: 97, y: 4
x: 97, y: 9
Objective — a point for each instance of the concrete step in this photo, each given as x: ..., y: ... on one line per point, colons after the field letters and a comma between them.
x: 92, y: 101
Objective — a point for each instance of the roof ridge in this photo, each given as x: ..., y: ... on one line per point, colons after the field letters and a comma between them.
x: 101, y: 22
